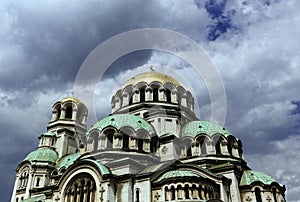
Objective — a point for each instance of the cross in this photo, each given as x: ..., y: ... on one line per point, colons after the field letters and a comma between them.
x: 156, y: 196
x: 101, y: 193
x: 248, y: 198
x: 269, y: 199
x: 151, y: 67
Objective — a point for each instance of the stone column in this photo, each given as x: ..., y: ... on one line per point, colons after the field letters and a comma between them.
x: 74, y: 114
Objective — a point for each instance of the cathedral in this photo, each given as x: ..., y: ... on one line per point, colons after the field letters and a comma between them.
x: 152, y: 147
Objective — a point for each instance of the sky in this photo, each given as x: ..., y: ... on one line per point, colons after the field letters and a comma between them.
x: 253, y: 44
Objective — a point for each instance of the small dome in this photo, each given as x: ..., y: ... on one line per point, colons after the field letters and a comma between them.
x: 42, y: 154
x: 196, y: 127
x: 182, y: 174
x: 71, y: 99
x: 250, y: 176
x: 121, y: 120
x: 48, y: 134
x: 150, y: 77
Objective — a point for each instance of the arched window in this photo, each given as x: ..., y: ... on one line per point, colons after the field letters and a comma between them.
x: 179, y: 192
x: 109, y: 133
x: 166, y: 193
x: 110, y: 140
x: 142, y: 95
x: 125, y: 141
x: 187, y: 147
x: 203, y: 147
x: 186, y: 192
x: 257, y: 195
x: 140, y: 144
x: 23, y: 179
x: 172, y: 193
x: 69, y: 112
x: 81, y: 189
x: 218, y: 147
x: 155, y: 94
x: 168, y: 95
x: 137, y: 195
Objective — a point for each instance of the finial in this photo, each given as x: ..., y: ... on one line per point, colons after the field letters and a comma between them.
x: 72, y: 94
x: 152, y: 69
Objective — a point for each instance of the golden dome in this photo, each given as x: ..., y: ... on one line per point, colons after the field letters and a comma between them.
x: 150, y: 77
x: 71, y: 99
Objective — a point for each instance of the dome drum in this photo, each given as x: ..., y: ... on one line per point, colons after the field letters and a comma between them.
x: 152, y: 87
x: 122, y: 131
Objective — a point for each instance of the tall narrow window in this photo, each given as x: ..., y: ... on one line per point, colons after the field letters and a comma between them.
x: 110, y: 138
x: 155, y: 94
x: 125, y: 141
x: 137, y: 195
x: 218, y: 148
x: 186, y: 192
x: 172, y: 193
x: 258, y: 195
x: 37, y: 184
x: 140, y: 144
x: 142, y: 95
x: 166, y: 193
x: 203, y: 147
x: 130, y: 99
x: 188, y: 150
x: 168, y: 95
x: 69, y: 112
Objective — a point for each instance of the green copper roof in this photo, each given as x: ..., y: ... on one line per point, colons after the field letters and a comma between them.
x: 120, y: 120
x: 40, y: 198
x: 196, y: 127
x: 176, y: 174
x: 48, y: 133
x: 42, y: 154
x: 250, y: 176
x: 103, y: 169
x: 66, y: 161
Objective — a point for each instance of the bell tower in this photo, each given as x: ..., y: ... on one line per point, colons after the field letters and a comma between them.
x: 69, y: 123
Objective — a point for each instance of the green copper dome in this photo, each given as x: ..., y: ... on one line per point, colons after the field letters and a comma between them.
x: 176, y: 174
x: 119, y: 121
x: 250, y: 176
x: 196, y: 127
x: 67, y: 161
x: 42, y: 154
x: 49, y: 134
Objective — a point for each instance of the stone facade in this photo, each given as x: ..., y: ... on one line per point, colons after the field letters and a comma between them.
x: 151, y: 148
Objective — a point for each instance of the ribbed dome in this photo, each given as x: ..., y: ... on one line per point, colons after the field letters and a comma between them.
x: 196, y: 127
x: 42, y: 154
x: 250, y: 176
x: 150, y: 77
x: 121, y: 120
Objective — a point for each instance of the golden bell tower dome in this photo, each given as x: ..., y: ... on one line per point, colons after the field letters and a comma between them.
x: 149, y: 77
